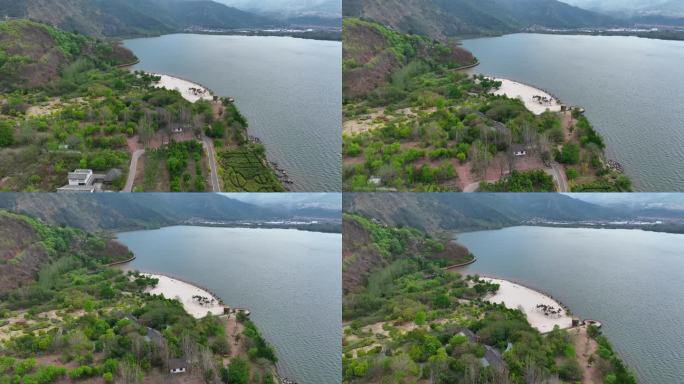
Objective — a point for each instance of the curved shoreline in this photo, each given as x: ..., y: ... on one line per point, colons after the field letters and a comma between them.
x: 529, y: 85
x: 527, y: 300
x: 160, y: 84
x: 526, y: 93
x: 120, y: 262
x: 538, y: 291
x: 469, y: 66
x: 460, y: 265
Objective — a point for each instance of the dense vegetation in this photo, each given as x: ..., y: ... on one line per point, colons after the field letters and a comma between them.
x: 384, y: 250
x: 532, y: 181
x: 414, y: 321
x: 33, y: 54
x: 82, y: 320
x: 32, y: 249
x: 433, y: 128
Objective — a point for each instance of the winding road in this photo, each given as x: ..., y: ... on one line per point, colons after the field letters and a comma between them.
x: 133, y: 169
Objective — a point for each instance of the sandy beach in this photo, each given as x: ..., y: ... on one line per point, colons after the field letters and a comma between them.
x: 526, y: 93
x: 185, y: 88
x: 184, y: 292
x: 516, y: 296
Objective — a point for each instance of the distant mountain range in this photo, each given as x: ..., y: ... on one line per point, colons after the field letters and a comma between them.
x: 437, y: 212
x: 117, y: 212
x: 463, y: 18
x: 434, y: 212
x: 123, y: 18
x: 631, y: 8
x: 285, y: 9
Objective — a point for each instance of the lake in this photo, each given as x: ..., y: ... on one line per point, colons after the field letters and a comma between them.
x: 631, y: 280
x: 290, y: 280
x: 289, y: 89
x: 630, y: 87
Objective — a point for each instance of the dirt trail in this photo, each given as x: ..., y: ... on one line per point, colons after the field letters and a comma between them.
x: 234, y: 329
x: 585, y: 346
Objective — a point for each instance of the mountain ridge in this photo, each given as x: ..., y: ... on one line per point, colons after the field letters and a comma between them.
x: 119, y: 212
x: 131, y: 18
x: 440, y: 212
x: 467, y: 18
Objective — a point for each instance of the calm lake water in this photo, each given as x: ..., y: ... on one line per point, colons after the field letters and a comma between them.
x: 631, y: 88
x: 631, y: 280
x: 289, y: 89
x: 289, y: 279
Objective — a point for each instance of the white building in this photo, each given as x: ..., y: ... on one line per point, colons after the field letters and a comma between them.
x: 80, y: 180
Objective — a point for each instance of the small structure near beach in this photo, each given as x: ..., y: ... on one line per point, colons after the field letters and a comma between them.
x: 519, y: 150
x: 493, y: 358
x: 178, y: 365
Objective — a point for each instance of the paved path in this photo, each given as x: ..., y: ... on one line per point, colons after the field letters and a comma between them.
x: 209, y: 146
x: 559, y: 176
x: 132, y: 170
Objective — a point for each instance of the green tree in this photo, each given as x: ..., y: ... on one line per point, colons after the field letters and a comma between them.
x: 6, y: 135
x: 236, y: 373
x: 421, y: 316
x: 570, y: 154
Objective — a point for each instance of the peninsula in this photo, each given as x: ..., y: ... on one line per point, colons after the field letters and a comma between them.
x: 82, y: 320
x: 81, y: 121
x: 415, y: 121
x: 407, y: 317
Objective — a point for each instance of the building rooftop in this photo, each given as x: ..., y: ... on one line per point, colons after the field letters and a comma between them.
x: 178, y: 363
x: 77, y: 188
x: 518, y: 147
x: 80, y: 174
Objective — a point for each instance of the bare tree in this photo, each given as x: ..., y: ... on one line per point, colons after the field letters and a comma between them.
x: 207, y: 365
x: 129, y: 373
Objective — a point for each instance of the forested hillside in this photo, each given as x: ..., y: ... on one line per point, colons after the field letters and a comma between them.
x: 35, y: 54
x: 374, y: 54
x: 28, y: 247
x: 370, y: 246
